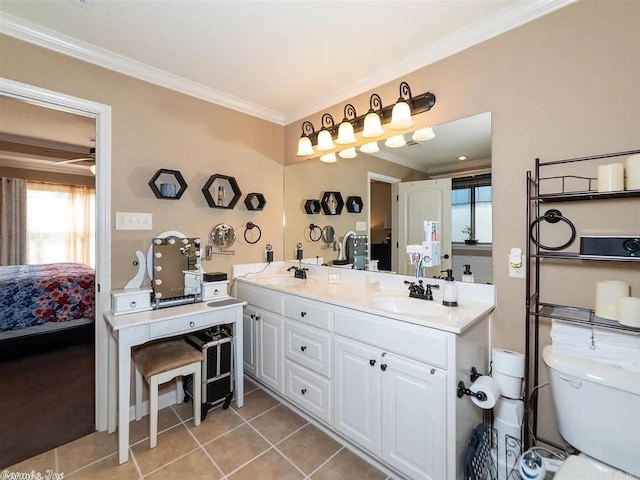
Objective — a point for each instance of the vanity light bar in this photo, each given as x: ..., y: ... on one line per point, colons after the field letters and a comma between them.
x: 418, y: 104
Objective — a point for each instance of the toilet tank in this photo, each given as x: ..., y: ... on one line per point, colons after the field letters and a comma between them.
x: 597, y: 408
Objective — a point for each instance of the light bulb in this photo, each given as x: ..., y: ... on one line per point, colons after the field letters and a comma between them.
x: 329, y: 158
x: 401, y: 116
x: 423, y: 134
x: 396, y: 141
x: 370, y: 147
x: 345, y: 134
x: 304, y: 147
x: 372, y: 126
x: 325, y: 142
x: 348, y: 153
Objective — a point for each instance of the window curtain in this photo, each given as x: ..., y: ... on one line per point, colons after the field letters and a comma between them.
x: 61, y: 223
x: 13, y: 221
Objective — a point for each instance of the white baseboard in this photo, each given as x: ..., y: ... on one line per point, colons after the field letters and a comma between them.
x: 164, y: 400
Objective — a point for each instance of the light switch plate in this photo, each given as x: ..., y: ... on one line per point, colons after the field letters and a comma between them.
x: 134, y: 221
x: 361, y: 226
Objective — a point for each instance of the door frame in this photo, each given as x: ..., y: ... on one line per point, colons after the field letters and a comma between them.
x: 102, y: 114
x: 386, y: 179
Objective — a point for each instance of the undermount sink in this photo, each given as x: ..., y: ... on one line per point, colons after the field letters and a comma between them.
x: 409, y: 306
x: 284, y: 280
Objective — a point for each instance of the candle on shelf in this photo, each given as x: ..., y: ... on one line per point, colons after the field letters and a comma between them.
x: 633, y: 172
x: 611, y: 177
x: 608, y: 292
x: 629, y: 311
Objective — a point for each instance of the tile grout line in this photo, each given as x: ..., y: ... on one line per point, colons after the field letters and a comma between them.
x: 326, y: 461
x: 135, y: 462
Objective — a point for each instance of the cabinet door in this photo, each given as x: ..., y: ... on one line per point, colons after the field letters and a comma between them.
x: 270, y: 361
x: 357, y: 393
x: 249, y: 339
x: 413, y: 418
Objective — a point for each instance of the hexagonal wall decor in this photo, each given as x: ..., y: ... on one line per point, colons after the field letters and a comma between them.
x: 167, y: 184
x: 354, y: 204
x: 255, y: 201
x: 221, y: 191
x: 312, y: 206
x: 332, y: 203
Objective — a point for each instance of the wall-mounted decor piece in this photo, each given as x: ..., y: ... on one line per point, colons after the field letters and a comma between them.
x: 168, y: 184
x: 332, y: 203
x: 255, y: 201
x: 312, y: 206
x: 221, y: 191
x: 354, y: 204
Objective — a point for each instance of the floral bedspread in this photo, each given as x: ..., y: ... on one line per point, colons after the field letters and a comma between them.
x: 34, y: 294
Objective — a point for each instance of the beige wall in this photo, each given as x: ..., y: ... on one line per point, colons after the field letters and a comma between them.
x: 566, y: 85
x: 310, y: 179
x: 155, y: 128
x: 47, y: 177
x: 380, y: 207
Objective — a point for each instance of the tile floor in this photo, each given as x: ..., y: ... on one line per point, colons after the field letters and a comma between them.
x: 263, y: 440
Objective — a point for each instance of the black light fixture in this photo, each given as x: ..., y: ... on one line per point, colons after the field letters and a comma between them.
x: 304, y: 144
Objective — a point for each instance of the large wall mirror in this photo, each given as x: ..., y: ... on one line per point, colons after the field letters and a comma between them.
x: 445, y: 178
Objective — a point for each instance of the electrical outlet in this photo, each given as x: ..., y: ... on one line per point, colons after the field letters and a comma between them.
x: 517, y: 266
x: 361, y: 226
x: 134, y: 221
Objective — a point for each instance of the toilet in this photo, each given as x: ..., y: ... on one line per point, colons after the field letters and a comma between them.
x: 598, y: 412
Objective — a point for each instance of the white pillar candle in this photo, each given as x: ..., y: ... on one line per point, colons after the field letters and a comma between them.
x: 608, y: 292
x: 633, y: 172
x: 611, y: 177
x: 629, y: 311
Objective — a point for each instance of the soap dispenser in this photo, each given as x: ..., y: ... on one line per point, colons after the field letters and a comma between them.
x: 450, y: 290
x: 467, y: 276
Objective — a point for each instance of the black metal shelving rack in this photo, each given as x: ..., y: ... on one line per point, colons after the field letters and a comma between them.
x: 535, y: 307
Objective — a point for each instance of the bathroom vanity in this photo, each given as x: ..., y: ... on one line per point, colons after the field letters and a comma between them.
x: 371, y: 366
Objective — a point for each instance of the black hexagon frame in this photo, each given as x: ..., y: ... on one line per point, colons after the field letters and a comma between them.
x: 354, y: 204
x: 339, y: 203
x: 231, y: 181
x: 179, y: 178
x: 255, y: 201
x: 312, y: 206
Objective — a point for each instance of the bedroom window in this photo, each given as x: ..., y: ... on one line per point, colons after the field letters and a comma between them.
x: 60, y: 223
x: 471, y: 205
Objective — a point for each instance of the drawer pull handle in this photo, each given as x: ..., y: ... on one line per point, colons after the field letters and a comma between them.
x: 192, y: 324
x: 252, y: 316
x: 383, y: 367
x: 372, y: 362
x: 433, y: 371
x: 303, y: 348
x: 257, y: 317
x: 216, y: 292
x: 303, y: 314
x: 133, y: 304
x: 303, y: 391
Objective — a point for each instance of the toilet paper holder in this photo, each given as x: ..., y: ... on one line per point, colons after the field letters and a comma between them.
x: 462, y: 390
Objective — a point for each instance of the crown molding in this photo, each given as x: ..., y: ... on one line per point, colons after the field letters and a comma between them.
x: 21, y: 29
x: 478, y: 32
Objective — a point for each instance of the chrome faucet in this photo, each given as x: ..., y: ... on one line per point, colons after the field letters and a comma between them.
x: 298, y: 272
x: 421, y: 291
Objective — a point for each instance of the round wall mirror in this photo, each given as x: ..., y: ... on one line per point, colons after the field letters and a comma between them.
x: 223, y: 235
x: 328, y: 234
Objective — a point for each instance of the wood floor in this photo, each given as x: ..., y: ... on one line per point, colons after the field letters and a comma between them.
x: 46, y: 400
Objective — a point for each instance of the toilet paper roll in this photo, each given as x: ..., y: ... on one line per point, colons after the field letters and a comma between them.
x: 509, y: 411
x: 629, y: 311
x: 508, y: 362
x: 511, y: 387
x: 611, y: 177
x: 608, y: 292
x: 491, y: 389
x: 633, y: 172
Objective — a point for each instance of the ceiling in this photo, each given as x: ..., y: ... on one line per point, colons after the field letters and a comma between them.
x: 278, y: 60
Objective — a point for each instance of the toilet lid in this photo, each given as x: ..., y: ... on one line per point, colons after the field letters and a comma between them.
x: 581, y: 467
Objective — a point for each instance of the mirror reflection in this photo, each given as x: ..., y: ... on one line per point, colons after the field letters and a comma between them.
x: 444, y: 176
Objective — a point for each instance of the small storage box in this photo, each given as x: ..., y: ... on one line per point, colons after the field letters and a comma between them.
x: 214, y: 290
x: 130, y: 301
x: 217, y: 368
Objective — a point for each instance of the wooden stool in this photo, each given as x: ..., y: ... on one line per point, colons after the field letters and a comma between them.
x: 158, y: 363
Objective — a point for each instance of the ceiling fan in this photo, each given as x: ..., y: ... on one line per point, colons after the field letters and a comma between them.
x: 91, y: 157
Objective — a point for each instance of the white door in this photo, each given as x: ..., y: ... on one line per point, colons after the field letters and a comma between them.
x: 417, y: 202
x: 249, y: 340
x: 413, y: 418
x: 357, y: 393
x: 270, y: 360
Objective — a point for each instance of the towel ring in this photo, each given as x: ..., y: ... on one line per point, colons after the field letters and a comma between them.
x: 552, y: 216
x: 251, y: 226
x: 314, y: 228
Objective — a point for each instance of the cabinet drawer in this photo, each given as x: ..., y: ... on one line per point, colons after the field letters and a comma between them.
x: 130, y: 301
x: 309, y: 347
x: 312, y: 313
x: 309, y: 391
x: 420, y: 343
x: 167, y: 328
x: 261, y: 297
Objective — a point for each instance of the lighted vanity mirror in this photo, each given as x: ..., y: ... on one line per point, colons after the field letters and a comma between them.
x: 430, y: 182
x: 170, y: 256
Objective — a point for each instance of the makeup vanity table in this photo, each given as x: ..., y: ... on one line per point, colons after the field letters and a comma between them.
x: 134, y: 329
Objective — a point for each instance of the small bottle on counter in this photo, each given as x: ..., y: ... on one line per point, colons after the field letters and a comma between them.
x: 467, y: 276
x: 450, y: 290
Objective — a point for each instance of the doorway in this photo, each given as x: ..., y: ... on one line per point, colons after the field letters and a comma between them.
x: 380, y: 220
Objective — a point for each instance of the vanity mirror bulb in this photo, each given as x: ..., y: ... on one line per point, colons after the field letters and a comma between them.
x: 157, y: 241
x: 158, y: 268
x: 171, y: 241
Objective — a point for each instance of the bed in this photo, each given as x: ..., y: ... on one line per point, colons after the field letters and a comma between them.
x: 45, y: 307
